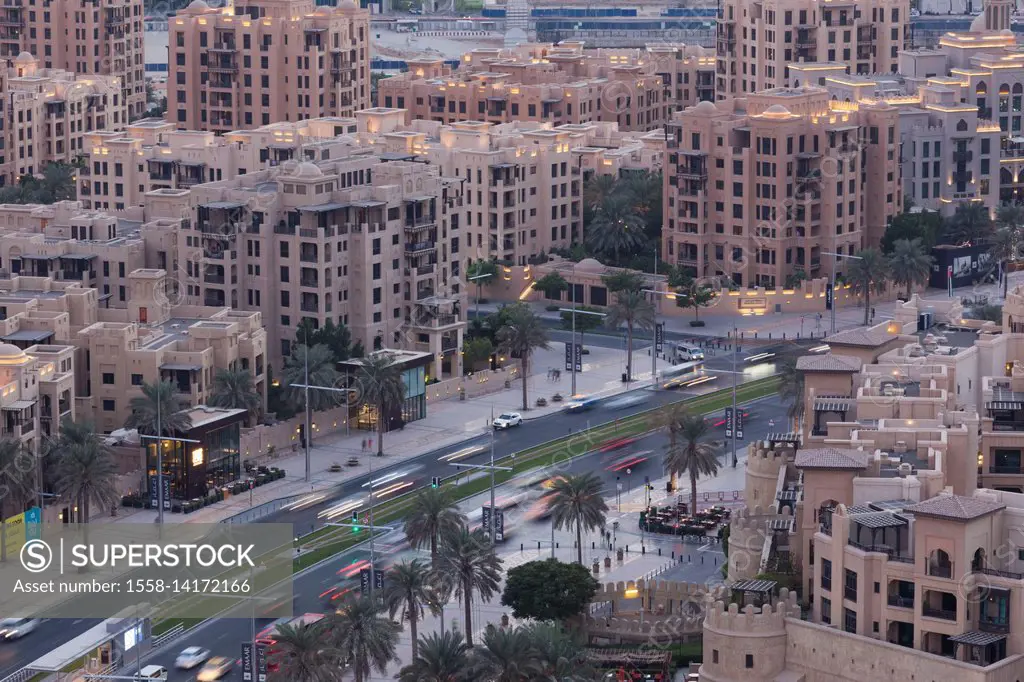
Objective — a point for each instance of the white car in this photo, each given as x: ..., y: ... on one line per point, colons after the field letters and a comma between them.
x: 507, y: 420
x: 191, y: 657
x: 16, y: 628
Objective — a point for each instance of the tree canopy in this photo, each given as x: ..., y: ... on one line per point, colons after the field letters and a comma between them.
x: 548, y: 590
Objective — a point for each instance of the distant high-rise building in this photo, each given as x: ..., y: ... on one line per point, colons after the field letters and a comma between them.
x: 517, y: 22
x: 756, y: 42
x: 269, y: 61
x: 102, y: 39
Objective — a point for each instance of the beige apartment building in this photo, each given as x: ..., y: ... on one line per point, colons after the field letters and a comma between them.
x: 757, y: 187
x: 102, y: 39
x: 370, y: 243
x: 558, y: 84
x: 266, y: 61
x: 756, y: 43
x: 899, y: 500
x: 49, y: 112
x: 93, y: 358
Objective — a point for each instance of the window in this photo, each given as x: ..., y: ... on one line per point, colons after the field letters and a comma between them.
x: 714, y: 655
x: 108, y: 378
x: 826, y: 574
x: 136, y: 380
x: 108, y: 406
x: 826, y: 611
x: 749, y: 661
x: 850, y: 620
x: 850, y: 585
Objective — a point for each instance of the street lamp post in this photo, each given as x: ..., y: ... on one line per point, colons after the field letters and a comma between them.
x: 160, y: 438
x: 836, y: 257
x: 572, y: 346
x: 492, y: 468
x: 476, y: 278
x: 654, y: 344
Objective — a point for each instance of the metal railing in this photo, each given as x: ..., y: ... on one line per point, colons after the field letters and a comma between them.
x: 901, y: 602
x: 943, y: 614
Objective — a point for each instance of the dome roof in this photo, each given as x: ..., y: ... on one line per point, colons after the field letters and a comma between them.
x: 590, y: 264
x: 11, y: 355
x: 24, y: 57
x: 777, y: 109
x: 308, y: 170
x: 515, y: 36
x: 705, y: 107
x: 978, y: 25
x: 693, y: 51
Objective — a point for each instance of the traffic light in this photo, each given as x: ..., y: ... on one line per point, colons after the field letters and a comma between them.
x: 355, y: 522
x: 435, y: 482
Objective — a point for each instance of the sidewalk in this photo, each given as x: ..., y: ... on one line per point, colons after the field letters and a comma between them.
x: 448, y: 422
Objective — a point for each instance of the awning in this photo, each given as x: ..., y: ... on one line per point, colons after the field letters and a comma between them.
x: 367, y: 203
x: 33, y: 335
x: 788, y: 495
x: 79, y: 256
x: 832, y: 405
x: 397, y: 156
x: 878, y: 520
x: 19, y: 405
x: 977, y: 638
x: 180, y: 367
x: 425, y: 197
x: 322, y: 208
x: 780, y: 524
x: 759, y: 586
x: 37, y: 256
x: 222, y: 205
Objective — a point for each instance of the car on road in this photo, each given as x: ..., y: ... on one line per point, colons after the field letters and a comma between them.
x: 719, y: 422
x: 627, y: 463
x: 507, y: 420
x: 214, y: 669
x: 581, y: 403
x: 152, y: 672
x: 191, y: 657
x: 16, y: 628
x: 625, y: 401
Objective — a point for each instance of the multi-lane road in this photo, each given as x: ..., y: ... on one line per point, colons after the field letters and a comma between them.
x: 417, y: 471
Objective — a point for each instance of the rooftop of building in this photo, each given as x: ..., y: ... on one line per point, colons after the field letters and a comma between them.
x: 828, y: 363
x: 955, y: 507
x: 831, y: 458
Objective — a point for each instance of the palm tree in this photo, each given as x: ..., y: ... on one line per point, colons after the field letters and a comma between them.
x: 466, y: 566
x: 791, y: 389
x: 408, y: 588
x: 434, y: 514
x: 302, y: 653
x: 644, y: 193
x: 970, y: 224
x: 235, y: 389
x: 596, y: 189
x: 15, y: 483
x: 86, y: 469
x: 322, y: 372
x: 365, y: 637
x: 507, y: 656
x: 632, y: 308
x: 159, y: 403
x: 670, y: 417
x: 616, y: 231
x: 909, y: 263
x: 559, y: 652
x: 692, y: 455
x: 522, y: 334
x: 576, y: 500
x: 379, y: 380
x: 440, y: 658
x: 1006, y: 247
x: 867, y: 274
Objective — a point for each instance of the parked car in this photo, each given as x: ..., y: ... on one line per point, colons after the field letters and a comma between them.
x: 507, y: 420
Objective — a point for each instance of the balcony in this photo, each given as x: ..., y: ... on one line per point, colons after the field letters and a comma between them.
x: 420, y: 247
x: 1007, y: 426
x: 941, y: 614
x: 1004, y: 469
x: 901, y: 602
x: 310, y: 282
x: 214, y: 279
x: 963, y: 156
x: 420, y: 223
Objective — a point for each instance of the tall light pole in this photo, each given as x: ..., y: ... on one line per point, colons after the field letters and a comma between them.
x: 477, y: 278
x: 309, y: 434
x: 160, y: 438
x: 654, y: 346
x: 836, y: 257
x: 572, y: 346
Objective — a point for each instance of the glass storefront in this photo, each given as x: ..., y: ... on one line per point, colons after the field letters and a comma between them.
x: 192, y: 469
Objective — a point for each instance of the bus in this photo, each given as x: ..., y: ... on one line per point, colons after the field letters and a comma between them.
x: 686, y: 375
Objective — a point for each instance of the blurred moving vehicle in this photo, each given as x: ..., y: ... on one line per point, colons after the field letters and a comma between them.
x: 628, y: 400
x: 581, y: 403
x: 214, y: 669
x: 16, y: 628
x: 191, y: 657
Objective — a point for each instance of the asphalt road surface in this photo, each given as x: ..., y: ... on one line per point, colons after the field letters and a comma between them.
x: 53, y: 633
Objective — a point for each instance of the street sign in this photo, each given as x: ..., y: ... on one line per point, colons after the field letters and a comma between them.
x: 618, y: 486
x: 739, y: 424
x: 828, y: 296
x: 499, y: 524
x: 261, y: 663
x: 167, y: 491
x: 629, y: 471
x: 364, y: 580
x: 728, y: 422
x: 569, y: 356
x: 247, y: 661
x: 659, y: 337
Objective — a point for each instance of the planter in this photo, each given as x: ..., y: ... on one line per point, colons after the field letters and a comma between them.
x: 696, y: 323
x: 508, y: 384
x: 542, y: 402
x: 557, y: 398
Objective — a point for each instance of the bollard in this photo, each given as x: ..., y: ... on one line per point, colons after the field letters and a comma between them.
x: 643, y: 550
x: 521, y: 547
x: 659, y: 551
x: 627, y: 549
x: 592, y: 545
x: 673, y: 554
x: 702, y: 559
x: 557, y: 545
x: 538, y: 545
x: 716, y: 561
